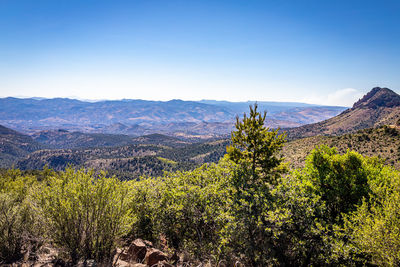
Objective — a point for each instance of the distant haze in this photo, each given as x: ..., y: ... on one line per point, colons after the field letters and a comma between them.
x: 345, y: 97
x: 137, y: 117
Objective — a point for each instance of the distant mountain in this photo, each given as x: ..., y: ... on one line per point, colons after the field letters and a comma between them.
x: 140, y: 117
x: 14, y: 145
x: 381, y: 106
x: 152, y: 153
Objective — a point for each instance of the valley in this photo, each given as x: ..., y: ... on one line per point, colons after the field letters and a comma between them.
x: 370, y: 128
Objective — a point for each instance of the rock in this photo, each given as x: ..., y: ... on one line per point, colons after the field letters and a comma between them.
x: 45, y: 250
x: 148, y: 243
x: 123, y: 256
x: 154, y: 256
x: 136, y: 251
x: 126, y: 264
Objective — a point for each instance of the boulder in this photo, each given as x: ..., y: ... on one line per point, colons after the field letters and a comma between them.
x: 123, y: 256
x: 154, y: 256
x: 136, y: 251
x: 148, y: 243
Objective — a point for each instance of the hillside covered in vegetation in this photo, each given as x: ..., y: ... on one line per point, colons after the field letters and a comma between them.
x: 14, y: 145
x: 152, y: 155
x: 128, y: 162
x: 382, y: 142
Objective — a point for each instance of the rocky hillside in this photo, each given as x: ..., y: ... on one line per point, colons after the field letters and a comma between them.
x: 381, y: 106
x: 382, y: 142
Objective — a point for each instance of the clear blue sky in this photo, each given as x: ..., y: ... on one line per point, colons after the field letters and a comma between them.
x: 326, y: 52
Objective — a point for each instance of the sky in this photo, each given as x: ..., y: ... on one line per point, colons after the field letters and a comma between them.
x: 321, y: 52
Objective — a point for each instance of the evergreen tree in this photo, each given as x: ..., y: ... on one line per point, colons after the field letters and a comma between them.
x: 255, y: 149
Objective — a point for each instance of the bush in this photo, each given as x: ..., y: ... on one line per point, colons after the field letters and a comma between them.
x: 144, y: 204
x: 20, y: 225
x: 87, y: 214
x: 374, y: 228
x: 297, y: 238
x: 186, y: 208
x: 340, y: 180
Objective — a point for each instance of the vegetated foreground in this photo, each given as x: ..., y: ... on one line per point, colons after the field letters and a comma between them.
x: 245, y: 210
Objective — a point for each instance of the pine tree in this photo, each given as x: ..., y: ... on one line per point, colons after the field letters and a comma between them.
x: 255, y: 149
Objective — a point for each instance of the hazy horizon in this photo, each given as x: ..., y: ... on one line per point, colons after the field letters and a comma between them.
x: 168, y: 100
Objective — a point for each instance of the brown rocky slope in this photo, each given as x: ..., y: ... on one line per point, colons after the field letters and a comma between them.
x: 381, y: 106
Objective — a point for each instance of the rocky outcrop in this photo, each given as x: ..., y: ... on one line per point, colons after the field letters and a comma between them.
x: 141, y: 253
x: 136, y: 252
x: 378, y: 97
x: 380, y: 106
x: 154, y: 256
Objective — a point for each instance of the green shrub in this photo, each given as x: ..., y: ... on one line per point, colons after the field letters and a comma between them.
x: 374, y: 228
x: 20, y: 224
x: 186, y: 208
x: 144, y: 204
x: 87, y: 214
x: 193, y: 207
x: 340, y: 180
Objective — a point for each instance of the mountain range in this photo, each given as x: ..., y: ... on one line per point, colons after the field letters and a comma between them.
x: 204, y: 119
